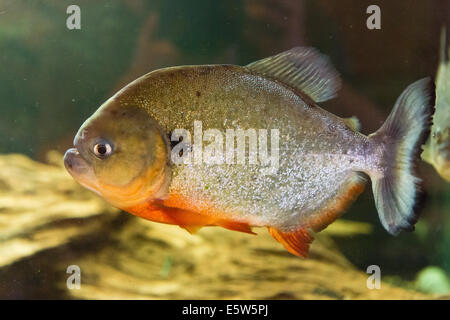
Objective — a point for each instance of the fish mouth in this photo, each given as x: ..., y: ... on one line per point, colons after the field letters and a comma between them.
x: 74, y: 162
x: 79, y: 169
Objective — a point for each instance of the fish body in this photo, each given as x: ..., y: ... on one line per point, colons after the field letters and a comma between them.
x: 229, y: 97
x: 437, y: 149
x: 321, y: 166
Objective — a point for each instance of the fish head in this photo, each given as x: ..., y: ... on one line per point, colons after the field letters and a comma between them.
x: 120, y: 153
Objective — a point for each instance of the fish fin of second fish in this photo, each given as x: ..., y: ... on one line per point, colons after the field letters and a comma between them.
x: 303, y: 68
x: 296, y: 242
x: 395, y: 186
x: 352, y: 123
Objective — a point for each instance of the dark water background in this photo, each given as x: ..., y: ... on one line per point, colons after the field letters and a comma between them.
x: 52, y: 78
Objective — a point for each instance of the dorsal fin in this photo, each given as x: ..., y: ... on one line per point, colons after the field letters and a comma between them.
x: 303, y: 68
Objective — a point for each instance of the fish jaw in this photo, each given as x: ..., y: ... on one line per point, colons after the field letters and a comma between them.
x: 80, y: 170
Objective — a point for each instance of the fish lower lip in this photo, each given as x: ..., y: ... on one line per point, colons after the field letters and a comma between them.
x: 73, y: 161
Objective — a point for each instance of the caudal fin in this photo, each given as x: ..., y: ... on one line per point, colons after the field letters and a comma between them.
x: 395, y: 187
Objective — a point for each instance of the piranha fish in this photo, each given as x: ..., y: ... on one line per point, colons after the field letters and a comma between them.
x: 437, y: 149
x: 123, y: 151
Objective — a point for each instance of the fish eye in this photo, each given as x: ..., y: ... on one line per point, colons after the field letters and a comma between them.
x: 103, y: 150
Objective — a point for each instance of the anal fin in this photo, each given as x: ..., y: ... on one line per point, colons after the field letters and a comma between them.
x: 296, y: 242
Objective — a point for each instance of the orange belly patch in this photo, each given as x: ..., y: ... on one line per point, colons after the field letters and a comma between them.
x: 183, y: 212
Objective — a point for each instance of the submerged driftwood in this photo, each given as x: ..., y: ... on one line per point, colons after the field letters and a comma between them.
x: 48, y: 222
